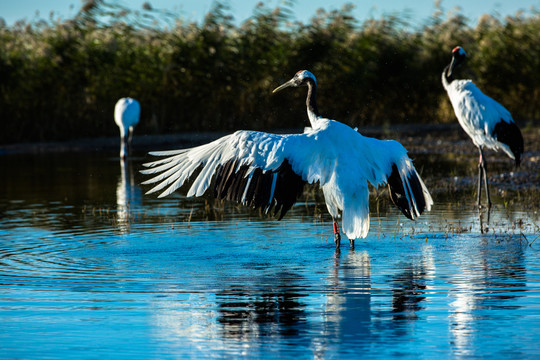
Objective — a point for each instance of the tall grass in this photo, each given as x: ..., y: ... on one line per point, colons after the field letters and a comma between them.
x: 60, y: 79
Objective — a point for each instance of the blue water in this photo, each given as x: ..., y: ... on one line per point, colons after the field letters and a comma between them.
x: 92, y: 268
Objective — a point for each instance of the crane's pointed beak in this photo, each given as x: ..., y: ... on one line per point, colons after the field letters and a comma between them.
x: 283, y: 86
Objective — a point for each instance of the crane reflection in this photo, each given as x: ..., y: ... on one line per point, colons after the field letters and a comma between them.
x: 128, y: 196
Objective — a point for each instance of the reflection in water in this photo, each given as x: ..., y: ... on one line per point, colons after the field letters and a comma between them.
x: 249, y: 317
x: 488, y: 274
x: 128, y: 196
x: 347, y: 310
x: 239, y: 319
x: 274, y: 312
x: 410, y: 285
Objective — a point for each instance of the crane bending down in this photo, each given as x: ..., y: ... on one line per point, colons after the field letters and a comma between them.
x: 268, y: 170
x: 126, y: 116
x: 487, y: 122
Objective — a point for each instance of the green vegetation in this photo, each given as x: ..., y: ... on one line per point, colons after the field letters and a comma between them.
x: 60, y: 79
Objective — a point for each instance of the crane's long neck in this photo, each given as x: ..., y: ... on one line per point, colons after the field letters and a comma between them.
x: 311, y: 103
x: 447, y: 78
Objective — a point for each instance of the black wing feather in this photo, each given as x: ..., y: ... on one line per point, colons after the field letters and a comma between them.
x: 399, y: 194
x: 231, y: 184
x: 509, y: 134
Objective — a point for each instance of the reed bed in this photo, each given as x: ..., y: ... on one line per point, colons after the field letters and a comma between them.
x: 60, y: 78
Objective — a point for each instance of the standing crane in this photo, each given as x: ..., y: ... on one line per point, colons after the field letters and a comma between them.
x: 487, y: 122
x: 264, y: 170
x: 126, y: 116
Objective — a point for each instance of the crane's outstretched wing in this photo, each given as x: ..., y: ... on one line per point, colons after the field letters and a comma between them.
x: 253, y: 168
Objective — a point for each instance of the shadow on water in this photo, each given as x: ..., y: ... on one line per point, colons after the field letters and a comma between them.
x: 85, y: 258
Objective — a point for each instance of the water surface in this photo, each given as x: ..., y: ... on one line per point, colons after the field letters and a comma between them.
x: 92, y: 268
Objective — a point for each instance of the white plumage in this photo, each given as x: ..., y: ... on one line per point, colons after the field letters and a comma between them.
x: 488, y: 123
x: 478, y: 114
x: 332, y: 154
x: 126, y: 116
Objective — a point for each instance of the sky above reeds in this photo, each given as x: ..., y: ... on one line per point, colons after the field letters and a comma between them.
x: 194, y: 10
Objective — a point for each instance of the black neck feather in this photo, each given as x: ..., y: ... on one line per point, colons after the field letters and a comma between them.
x: 449, y: 78
x: 311, y: 100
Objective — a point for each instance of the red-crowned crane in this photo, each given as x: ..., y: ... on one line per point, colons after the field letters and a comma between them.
x: 126, y: 116
x: 268, y: 170
x: 487, y: 122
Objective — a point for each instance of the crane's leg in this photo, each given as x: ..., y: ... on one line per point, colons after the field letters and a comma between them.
x: 484, y: 170
x: 123, y: 149
x: 130, y: 136
x: 480, y: 174
x: 337, y: 236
